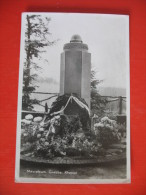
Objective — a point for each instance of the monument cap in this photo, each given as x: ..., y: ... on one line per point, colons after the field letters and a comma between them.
x: 76, y: 43
x: 76, y: 38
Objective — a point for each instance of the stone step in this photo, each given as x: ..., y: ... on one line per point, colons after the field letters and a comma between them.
x: 117, y: 151
x: 117, y: 146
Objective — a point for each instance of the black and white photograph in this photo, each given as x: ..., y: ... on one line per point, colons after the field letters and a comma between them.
x: 73, y: 116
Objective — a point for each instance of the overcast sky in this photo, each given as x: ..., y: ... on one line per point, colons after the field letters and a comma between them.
x: 107, y: 37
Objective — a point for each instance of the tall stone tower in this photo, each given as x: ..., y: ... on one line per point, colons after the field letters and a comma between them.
x: 75, y: 71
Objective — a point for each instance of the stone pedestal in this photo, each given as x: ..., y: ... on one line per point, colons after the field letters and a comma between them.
x: 75, y: 72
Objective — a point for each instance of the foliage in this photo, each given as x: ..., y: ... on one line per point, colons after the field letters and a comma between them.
x: 82, y: 113
x: 61, y: 102
x: 108, y: 131
x: 68, y: 140
x: 36, y: 39
x: 97, y: 101
x: 94, y: 81
x: 69, y: 125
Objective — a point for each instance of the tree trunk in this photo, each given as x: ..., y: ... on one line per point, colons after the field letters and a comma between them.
x: 27, y: 82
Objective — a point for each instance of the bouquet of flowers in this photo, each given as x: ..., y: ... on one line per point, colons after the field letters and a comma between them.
x: 107, y: 131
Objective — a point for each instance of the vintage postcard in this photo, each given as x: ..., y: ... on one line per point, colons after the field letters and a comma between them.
x: 73, y: 121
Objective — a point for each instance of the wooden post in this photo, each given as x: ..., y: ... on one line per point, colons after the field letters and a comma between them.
x: 120, y: 104
x: 46, y: 107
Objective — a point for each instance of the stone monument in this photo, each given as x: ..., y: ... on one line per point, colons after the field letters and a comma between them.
x: 75, y: 70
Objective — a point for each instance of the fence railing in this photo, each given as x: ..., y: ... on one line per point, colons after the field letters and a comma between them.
x: 52, y: 95
x: 115, y: 104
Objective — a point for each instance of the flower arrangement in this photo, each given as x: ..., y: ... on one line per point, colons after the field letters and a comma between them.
x: 108, y: 132
x: 58, y: 136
